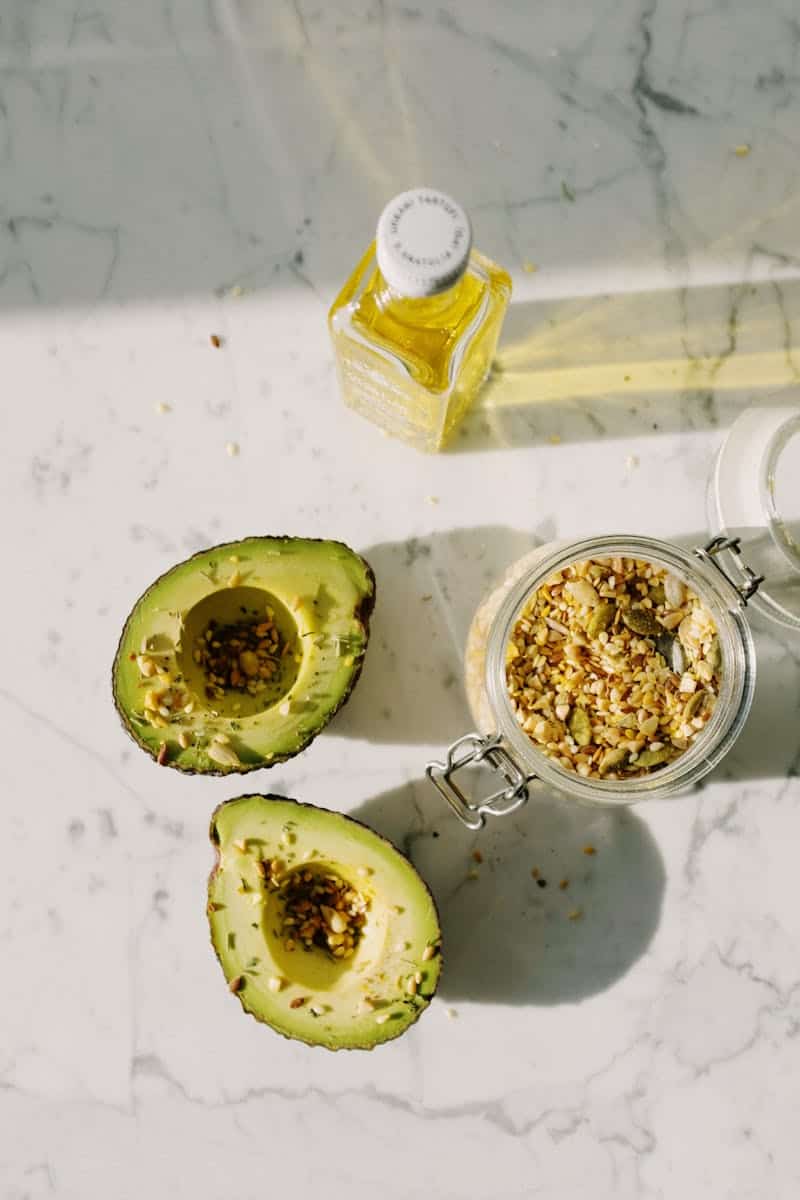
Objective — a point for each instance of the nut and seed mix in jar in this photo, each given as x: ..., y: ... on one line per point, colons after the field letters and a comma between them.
x: 613, y: 667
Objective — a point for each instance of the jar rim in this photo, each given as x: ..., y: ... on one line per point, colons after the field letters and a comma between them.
x: 730, y: 711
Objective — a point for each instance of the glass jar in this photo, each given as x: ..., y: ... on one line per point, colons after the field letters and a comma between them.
x: 415, y: 327
x: 501, y: 745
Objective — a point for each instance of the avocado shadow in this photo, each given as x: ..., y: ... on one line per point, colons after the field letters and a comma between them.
x: 428, y: 588
x: 510, y: 938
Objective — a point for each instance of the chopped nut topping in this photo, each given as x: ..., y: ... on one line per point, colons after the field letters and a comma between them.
x: 243, y: 657
x: 321, y: 910
x: 598, y: 678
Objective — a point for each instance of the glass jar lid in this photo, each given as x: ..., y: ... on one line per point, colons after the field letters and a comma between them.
x: 754, y: 500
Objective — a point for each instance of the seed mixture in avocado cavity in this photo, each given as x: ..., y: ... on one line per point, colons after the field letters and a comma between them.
x: 319, y: 910
x: 613, y: 667
x: 241, y: 657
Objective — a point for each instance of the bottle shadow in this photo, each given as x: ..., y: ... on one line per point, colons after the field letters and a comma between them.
x: 411, y: 689
x: 563, y: 371
x: 514, y: 939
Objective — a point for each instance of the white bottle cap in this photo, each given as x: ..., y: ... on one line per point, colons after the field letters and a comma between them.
x: 423, y: 242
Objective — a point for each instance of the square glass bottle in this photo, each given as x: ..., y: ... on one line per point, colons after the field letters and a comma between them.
x: 416, y: 325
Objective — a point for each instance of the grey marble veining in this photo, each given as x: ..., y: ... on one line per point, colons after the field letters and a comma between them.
x: 169, y: 170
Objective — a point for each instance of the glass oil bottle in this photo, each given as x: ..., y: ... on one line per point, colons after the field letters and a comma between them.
x: 415, y: 327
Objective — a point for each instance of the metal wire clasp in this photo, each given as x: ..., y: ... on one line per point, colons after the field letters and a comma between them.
x: 471, y: 750
x: 709, y: 554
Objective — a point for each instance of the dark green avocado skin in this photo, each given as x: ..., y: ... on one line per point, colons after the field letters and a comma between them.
x: 362, y: 613
x: 214, y: 839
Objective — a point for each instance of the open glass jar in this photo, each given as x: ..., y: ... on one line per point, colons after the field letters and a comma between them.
x: 719, y: 575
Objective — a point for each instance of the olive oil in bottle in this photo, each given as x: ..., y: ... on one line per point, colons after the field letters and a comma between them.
x: 415, y: 327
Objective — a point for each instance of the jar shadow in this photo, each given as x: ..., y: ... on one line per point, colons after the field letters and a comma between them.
x: 428, y: 588
x: 510, y: 938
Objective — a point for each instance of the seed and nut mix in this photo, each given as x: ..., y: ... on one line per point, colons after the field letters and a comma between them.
x: 242, y: 657
x: 318, y: 910
x: 613, y: 667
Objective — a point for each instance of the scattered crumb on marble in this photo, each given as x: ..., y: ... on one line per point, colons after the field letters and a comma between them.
x: 426, y: 598
x: 216, y: 340
x: 161, y: 408
x: 431, y: 499
x: 529, y: 267
x: 535, y: 872
x: 450, y: 1013
x: 632, y: 461
x: 555, y: 439
x: 232, y: 449
x: 477, y: 856
x: 575, y: 914
x: 589, y: 850
x: 742, y: 150
x: 564, y: 884
x: 236, y: 291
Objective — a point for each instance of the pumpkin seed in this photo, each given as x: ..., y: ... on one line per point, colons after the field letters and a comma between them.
x: 580, y: 726
x: 672, y: 651
x: 714, y: 655
x: 612, y: 758
x: 641, y: 621
x: 600, y: 618
x: 653, y: 758
x: 693, y: 706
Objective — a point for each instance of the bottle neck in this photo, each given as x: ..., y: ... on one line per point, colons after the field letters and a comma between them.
x: 416, y: 307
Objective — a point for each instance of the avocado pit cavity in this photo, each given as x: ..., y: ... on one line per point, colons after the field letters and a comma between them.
x: 320, y: 909
x: 240, y: 651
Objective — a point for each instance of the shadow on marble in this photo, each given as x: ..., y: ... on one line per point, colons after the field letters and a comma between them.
x: 578, y: 369
x: 428, y: 588
x: 510, y: 938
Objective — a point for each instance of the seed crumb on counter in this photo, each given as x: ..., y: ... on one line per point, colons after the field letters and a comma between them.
x: 216, y: 340
x: 232, y: 449
x: 161, y: 409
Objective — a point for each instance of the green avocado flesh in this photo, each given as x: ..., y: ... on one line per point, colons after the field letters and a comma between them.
x: 281, y: 868
x: 236, y: 658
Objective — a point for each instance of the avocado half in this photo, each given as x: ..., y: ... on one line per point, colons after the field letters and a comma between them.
x: 324, y: 931
x: 236, y: 658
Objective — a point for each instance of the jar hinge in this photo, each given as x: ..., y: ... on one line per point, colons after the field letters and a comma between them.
x: 716, y: 546
x: 474, y: 749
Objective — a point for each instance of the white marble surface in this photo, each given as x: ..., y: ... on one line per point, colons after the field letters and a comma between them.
x: 154, y: 154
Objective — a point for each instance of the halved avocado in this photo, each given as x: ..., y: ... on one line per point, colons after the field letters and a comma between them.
x: 323, y: 929
x: 238, y: 657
